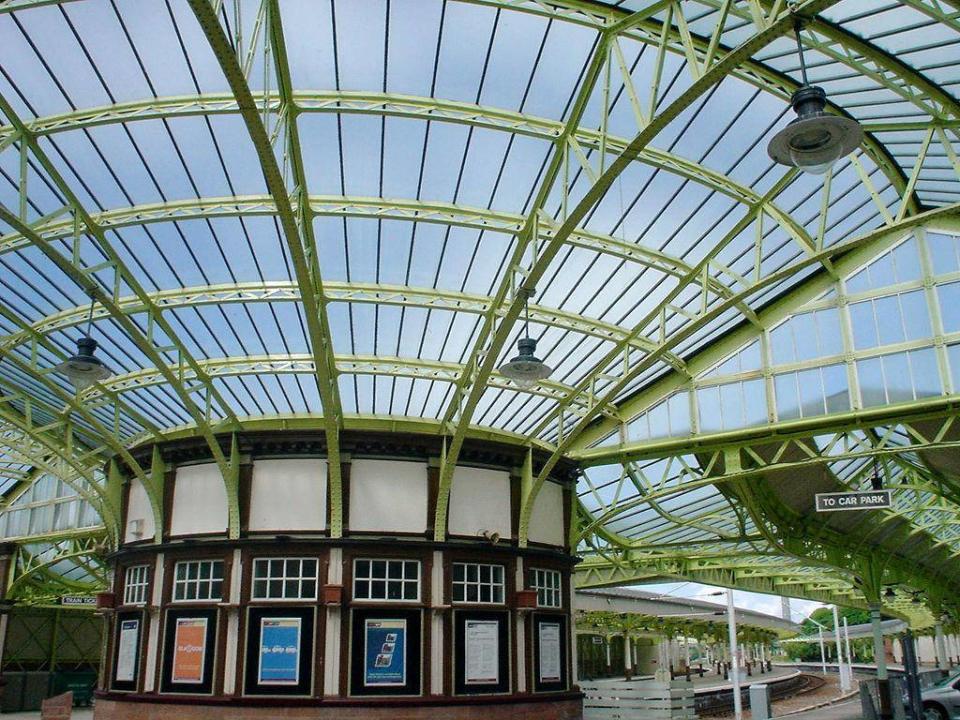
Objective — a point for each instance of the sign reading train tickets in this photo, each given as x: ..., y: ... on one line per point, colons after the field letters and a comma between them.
x: 78, y: 601
x: 867, y: 500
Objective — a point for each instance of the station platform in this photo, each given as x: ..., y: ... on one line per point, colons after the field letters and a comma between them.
x: 712, y: 682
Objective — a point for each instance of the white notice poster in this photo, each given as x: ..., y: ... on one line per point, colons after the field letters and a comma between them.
x: 127, y: 650
x: 481, y: 652
x: 549, y: 652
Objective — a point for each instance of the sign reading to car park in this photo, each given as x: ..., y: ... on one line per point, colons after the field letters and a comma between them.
x: 866, y: 500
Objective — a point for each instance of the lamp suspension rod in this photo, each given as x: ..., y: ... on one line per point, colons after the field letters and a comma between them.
x: 90, y: 316
x: 797, y: 27
x: 526, y: 313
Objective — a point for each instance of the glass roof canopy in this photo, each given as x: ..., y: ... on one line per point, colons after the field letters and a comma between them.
x: 327, y: 211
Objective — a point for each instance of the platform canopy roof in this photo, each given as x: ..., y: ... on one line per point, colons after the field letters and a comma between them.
x: 330, y: 214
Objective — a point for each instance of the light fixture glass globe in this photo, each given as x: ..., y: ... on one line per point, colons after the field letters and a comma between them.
x: 526, y: 369
x: 814, y: 140
x: 84, y: 368
x: 814, y: 151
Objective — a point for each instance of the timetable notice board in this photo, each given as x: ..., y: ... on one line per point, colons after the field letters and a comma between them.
x: 481, y: 649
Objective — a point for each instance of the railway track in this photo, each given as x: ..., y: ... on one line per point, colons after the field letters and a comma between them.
x: 721, y: 701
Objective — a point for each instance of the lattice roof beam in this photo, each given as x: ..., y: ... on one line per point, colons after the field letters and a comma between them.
x: 290, y: 104
x: 293, y: 212
x: 706, y: 80
x: 854, y: 253
x: 840, y: 439
x: 288, y: 291
x: 84, y: 277
x: 819, y: 586
x: 519, y: 280
x: 302, y: 363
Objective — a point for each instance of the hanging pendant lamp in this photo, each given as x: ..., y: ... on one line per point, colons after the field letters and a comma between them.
x: 84, y: 368
x: 814, y: 140
x: 526, y: 369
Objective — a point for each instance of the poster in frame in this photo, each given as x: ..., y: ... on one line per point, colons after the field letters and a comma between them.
x: 481, y: 650
x: 279, y: 655
x: 189, y: 651
x: 550, y: 640
x: 385, y: 651
x: 278, y: 662
x: 127, y: 643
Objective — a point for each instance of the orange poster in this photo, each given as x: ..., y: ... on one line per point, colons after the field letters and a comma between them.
x: 189, y: 649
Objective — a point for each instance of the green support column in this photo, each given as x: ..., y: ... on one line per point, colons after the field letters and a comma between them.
x: 879, y: 654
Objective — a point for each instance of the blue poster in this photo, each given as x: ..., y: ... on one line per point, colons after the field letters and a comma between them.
x: 385, y: 653
x: 279, y: 651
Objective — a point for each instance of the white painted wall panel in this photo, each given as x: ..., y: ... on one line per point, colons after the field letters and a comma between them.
x: 138, y: 508
x: 199, y: 501
x: 388, y: 496
x: 480, y: 500
x: 289, y: 494
x: 546, y: 520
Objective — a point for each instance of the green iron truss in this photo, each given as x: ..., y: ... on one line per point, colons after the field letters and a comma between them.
x: 69, y: 436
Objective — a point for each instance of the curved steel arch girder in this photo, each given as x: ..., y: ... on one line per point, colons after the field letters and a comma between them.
x: 83, y: 276
x: 649, y: 31
x: 820, y: 585
x: 493, y: 336
x: 59, y: 450
x: 28, y: 563
x: 842, y: 247
x: 288, y: 291
x: 299, y: 364
x: 424, y: 108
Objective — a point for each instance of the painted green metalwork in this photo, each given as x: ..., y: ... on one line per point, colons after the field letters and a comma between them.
x: 86, y: 279
x: 734, y: 537
x: 285, y: 291
x: 296, y: 223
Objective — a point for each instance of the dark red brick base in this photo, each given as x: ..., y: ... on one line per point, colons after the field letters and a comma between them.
x: 545, y: 709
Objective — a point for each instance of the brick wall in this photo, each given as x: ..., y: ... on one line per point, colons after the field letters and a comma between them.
x: 557, y: 710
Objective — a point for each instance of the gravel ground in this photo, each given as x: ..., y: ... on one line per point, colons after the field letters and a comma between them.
x: 829, y: 691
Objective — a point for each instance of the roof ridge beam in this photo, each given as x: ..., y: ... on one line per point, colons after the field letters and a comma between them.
x: 294, y: 216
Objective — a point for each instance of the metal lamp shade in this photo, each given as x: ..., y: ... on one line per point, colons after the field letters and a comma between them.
x: 814, y: 141
x: 526, y: 369
x: 85, y: 368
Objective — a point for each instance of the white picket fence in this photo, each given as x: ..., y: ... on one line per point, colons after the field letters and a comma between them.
x: 643, y: 699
